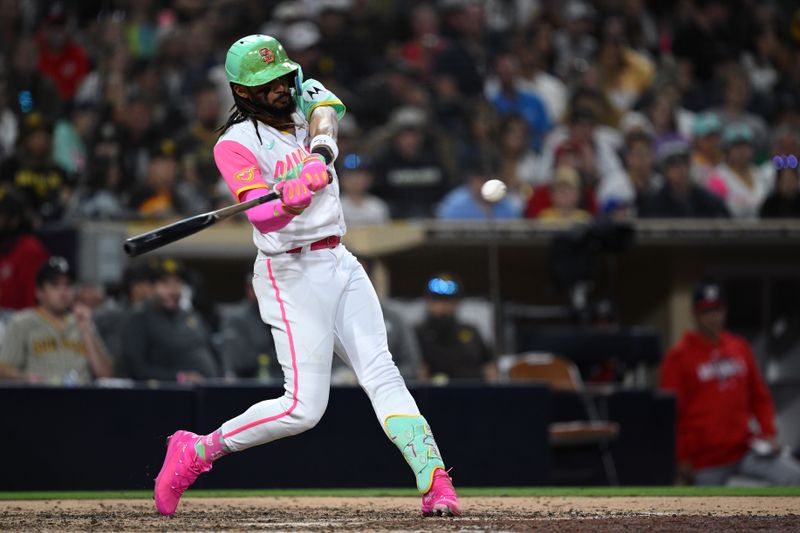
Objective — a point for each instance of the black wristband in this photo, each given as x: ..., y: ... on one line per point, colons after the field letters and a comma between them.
x: 325, y: 152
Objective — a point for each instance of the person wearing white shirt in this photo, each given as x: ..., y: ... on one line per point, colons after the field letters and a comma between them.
x: 738, y: 181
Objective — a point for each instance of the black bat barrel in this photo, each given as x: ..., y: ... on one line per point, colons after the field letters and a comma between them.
x: 167, y: 234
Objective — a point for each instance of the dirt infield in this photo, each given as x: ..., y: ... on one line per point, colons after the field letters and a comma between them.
x: 402, y: 514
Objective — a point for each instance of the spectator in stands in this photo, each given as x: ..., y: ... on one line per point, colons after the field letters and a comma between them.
x: 101, y: 194
x: 735, y: 101
x: 359, y: 207
x: 765, y: 62
x: 108, y: 82
x: 719, y: 391
x: 784, y: 202
x: 624, y: 73
x: 662, y: 107
x: 534, y: 52
x: 138, y: 137
x: 195, y: 143
x: 465, y: 56
x: 568, y: 154
x: 71, y: 138
x: 111, y: 317
x: 639, y: 177
x: 61, y: 57
x: 156, y: 198
x: 381, y: 94
x: 509, y: 96
x: 21, y: 253
x: 520, y: 166
x: 162, y: 341
x: 342, y: 56
x: 56, y: 342
x: 701, y: 45
x: 246, y: 346
x: 741, y: 184
x: 641, y: 28
x: 301, y: 40
x: 409, y: 174
x: 706, y: 147
x: 426, y: 42
x: 565, y: 193
x: 28, y: 90
x: 785, y: 141
x: 590, y: 146
x: 465, y: 202
x: 679, y: 197
x: 9, y: 123
x: 575, y: 44
x: 451, y: 350
x: 33, y: 173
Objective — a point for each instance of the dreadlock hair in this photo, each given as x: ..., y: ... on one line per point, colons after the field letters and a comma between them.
x: 245, y: 109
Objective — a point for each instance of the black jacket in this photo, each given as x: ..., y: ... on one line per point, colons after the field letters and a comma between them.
x: 698, y: 203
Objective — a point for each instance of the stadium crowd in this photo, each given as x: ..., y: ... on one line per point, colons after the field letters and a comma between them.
x: 108, y: 109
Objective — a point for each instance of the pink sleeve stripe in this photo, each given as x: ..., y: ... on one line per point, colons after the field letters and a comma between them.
x: 238, y: 166
x: 295, y: 384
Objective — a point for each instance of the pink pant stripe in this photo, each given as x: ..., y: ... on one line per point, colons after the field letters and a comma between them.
x: 294, y: 362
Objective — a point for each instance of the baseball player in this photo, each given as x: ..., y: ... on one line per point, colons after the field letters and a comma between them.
x: 311, y: 290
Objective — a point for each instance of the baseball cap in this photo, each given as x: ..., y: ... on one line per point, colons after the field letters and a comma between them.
x: 139, y: 272
x: 706, y: 124
x: 708, y: 296
x: 52, y: 270
x: 565, y: 175
x: 407, y: 117
x: 301, y: 36
x: 577, y: 10
x: 736, y: 133
x: 443, y: 285
x: 672, y: 151
x: 168, y: 267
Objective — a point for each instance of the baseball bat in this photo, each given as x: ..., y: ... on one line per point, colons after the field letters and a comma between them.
x: 164, y: 235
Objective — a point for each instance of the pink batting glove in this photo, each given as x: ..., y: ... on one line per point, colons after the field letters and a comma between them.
x: 314, y: 172
x: 295, y: 195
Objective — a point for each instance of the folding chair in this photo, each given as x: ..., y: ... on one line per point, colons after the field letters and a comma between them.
x: 560, y: 374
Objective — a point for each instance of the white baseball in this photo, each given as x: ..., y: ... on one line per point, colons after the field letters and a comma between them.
x: 493, y: 191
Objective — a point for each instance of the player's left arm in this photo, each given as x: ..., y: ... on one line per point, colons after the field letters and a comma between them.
x: 323, y: 110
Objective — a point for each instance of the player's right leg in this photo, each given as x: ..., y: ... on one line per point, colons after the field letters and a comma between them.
x: 361, y: 343
x: 300, y: 317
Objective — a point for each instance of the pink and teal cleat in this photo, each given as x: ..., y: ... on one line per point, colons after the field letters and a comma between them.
x: 441, y: 499
x: 181, y: 468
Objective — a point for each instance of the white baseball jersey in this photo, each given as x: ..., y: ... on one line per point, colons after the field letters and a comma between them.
x: 247, y: 163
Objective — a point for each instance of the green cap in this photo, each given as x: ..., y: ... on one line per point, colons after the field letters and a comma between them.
x: 737, y: 133
x: 257, y: 59
x: 706, y: 123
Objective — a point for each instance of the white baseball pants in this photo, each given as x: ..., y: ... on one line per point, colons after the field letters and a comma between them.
x: 318, y: 302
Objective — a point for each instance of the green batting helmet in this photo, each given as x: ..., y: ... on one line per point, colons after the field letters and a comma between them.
x: 257, y: 59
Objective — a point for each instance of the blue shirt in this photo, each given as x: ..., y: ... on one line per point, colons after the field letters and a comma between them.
x: 532, y: 109
x: 460, y: 204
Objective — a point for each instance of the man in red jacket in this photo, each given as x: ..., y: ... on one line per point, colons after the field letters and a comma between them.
x: 719, y: 391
